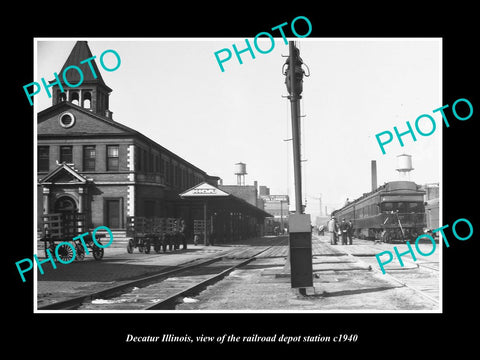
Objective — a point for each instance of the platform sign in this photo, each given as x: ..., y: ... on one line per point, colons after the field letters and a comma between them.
x: 204, y: 190
x: 279, y: 198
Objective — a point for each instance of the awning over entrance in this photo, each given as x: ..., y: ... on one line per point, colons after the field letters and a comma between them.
x: 227, y: 217
x: 64, y: 189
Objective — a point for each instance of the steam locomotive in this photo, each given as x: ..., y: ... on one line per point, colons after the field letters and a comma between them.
x: 394, y: 211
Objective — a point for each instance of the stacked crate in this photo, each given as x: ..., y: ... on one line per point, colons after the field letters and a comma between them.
x: 63, y: 226
x: 171, y: 226
x: 159, y: 226
x: 137, y: 226
x: 199, y: 227
x: 52, y: 226
x: 73, y: 224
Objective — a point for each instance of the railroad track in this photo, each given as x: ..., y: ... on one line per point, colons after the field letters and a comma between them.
x: 161, y: 291
x: 406, y: 280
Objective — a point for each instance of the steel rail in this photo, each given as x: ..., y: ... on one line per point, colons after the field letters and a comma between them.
x: 170, y: 302
x: 73, y: 303
x: 77, y: 301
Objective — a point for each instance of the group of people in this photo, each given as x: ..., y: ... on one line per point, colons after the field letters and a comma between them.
x: 343, y: 229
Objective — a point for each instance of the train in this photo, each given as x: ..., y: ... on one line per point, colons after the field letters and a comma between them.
x: 392, y: 212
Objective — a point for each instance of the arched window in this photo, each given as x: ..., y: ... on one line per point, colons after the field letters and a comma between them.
x: 62, y: 97
x: 74, y: 98
x: 87, y: 100
x: 65, y: 204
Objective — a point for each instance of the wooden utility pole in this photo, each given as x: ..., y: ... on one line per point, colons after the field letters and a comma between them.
x: 300, y: 231
x: 294, y: 80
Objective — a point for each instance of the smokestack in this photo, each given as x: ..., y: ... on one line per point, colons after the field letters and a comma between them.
x: 374, y: 175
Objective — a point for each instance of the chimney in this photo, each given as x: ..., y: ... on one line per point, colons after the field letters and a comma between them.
x: 374, y: 175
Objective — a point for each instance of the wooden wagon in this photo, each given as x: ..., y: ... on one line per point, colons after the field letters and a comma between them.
x: 145, y: 232
x: 61, y: 229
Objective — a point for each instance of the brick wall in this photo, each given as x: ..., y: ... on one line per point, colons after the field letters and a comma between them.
x: 98, y: 195
x: 247, y: 192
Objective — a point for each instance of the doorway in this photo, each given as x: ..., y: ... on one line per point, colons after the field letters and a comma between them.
x: 65, y: 204
x: 113, y: 213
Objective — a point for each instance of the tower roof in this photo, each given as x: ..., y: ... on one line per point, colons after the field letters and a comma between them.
x: 80, y: 52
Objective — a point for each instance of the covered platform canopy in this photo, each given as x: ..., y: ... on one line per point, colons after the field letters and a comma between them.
x: 228, y: 217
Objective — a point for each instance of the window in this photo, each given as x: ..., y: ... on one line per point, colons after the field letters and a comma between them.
x: 66, y: 154
x: 74, y: 98
x: 89, y: 158
x: 145, y: 161
x: 162, y: 166
x: 184, y: 178
x: 149, y: 208
x: 416, y: 207
x: 138, y: 158
x: 158, y: 161
x: 175, y: 175
x: 67, y: 120
x: 87, y: 100
x: 386, y: 206
x: 168, y: 178
x: 112, y: 158
x: 150, y: 163
x: 43, y: 158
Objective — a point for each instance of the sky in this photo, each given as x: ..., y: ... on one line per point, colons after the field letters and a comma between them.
x: 173, y: 91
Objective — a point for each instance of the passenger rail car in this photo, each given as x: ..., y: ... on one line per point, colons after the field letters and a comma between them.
x: 394, y: 211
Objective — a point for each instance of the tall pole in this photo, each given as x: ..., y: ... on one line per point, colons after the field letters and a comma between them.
x: 295, y: 111
x: 320, y: 200
x: 205, y: 231
x: 299, y: 224
x: 281, y: 216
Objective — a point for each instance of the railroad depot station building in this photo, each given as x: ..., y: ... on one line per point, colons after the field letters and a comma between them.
x: 88, y: 162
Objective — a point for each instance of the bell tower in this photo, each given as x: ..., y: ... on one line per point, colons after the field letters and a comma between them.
x: 82, y: 83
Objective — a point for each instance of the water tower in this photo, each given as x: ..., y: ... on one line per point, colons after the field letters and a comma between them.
x: 240, y: 171
x: 404, y: 166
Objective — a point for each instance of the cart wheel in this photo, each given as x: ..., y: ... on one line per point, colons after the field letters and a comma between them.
x: 80, y: 253
x: 130, y: 246
x: 147, y: 248
x: 97, y: 252
x: 65, y: 253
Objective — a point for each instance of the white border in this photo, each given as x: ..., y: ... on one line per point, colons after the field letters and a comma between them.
x: 306, y: 39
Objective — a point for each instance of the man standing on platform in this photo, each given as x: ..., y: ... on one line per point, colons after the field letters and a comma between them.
x: 331, y: 230
x: 344, y: 229
x: 350, y: 232
x: 182, y: 228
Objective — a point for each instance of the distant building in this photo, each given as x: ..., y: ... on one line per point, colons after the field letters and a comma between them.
x: 321, y: 220
x: 249, y: 193
x: 278, y: 206
x: 263, y: 190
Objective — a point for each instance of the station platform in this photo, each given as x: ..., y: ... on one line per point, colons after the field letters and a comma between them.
x: 345, y: 277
